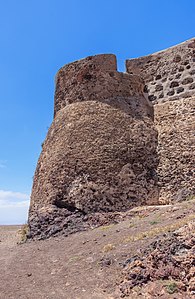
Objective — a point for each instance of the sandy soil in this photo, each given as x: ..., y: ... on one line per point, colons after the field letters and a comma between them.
x: 86, y: 265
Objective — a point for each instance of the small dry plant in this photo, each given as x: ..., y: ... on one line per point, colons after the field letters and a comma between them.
x: 108, y: 248
x: 23, y: 232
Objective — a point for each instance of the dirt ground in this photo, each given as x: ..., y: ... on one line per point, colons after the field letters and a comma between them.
x: 89, y: 264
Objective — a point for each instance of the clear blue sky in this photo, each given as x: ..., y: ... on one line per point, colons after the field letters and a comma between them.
x: 38, y: 37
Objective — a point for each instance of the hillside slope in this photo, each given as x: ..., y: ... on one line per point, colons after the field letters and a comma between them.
x: 113, y: 261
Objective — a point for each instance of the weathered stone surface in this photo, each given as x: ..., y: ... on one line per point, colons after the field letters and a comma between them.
x: 171, y: 68
x: 95, y: 79
x: 100, y: 151
x: 174, y: 115
x: 175, y: 122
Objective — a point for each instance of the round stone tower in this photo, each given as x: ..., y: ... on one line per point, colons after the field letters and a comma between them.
x: 99, y: 155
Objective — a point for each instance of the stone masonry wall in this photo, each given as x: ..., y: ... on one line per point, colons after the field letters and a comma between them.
x: 95, y: 78
x: 169, y: 74
x: 175, y: 122
x: 99, y: 156
x: 170, y: 83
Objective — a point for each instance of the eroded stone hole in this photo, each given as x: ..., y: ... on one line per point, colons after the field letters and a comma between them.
x: 61, y: 204
x: 64, y: 205
x: 87, y: 76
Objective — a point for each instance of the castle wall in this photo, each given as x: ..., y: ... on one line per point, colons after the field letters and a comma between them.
x: 175, y: 122
x: 170, y: 84
x: 169, y: 74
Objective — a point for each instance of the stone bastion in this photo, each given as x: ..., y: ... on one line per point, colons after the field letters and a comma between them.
x: 117, y: 140
x: 100, y: 152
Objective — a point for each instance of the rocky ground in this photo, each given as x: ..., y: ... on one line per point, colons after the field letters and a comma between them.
x: 149, y: 252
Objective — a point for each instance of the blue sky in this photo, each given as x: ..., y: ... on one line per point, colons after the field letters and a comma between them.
x: 36, y: 39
